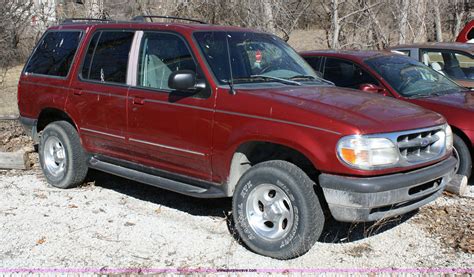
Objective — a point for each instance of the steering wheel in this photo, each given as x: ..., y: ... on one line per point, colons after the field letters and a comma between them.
x: 275, y: 65
x: 405, y: 84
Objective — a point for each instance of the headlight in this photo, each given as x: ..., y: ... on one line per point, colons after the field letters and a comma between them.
x: 367, y: 153
x: 449, y: 138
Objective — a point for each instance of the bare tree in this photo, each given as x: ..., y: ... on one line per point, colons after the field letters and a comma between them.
x: 15, y: 17
x: 403, y: 20
x: 437, y: 19
x: 340, y: 12
x: 460, y: 9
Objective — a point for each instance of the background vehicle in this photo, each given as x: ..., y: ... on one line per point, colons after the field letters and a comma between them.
x: 467, y: 33
x: 455, y: 60
x: 215, y: 111
x: 404, y: 78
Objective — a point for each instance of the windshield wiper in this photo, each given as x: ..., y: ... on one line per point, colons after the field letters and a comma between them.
x: 310, y: 77
x: 307, y: 77
x: 280, y: 80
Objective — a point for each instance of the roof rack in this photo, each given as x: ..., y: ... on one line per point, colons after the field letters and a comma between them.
x: 143, y: 18
x: 82, y: 20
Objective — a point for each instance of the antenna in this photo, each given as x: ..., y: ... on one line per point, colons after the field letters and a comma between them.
x: 231, y: 75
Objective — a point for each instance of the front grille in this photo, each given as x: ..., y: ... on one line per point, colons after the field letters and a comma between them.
x: 421, y: 146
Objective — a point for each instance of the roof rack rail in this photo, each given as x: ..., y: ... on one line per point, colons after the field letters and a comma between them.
x: 143, y: 18
x: 85, y: 19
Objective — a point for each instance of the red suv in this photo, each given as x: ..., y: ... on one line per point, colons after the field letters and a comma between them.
x: 213, y: 111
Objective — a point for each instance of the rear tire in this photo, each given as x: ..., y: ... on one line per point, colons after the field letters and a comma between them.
x: 276, y: 210
x: 463, y: 154
x: 61, y: 156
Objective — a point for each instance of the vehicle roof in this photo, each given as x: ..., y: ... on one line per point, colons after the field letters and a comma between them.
x: 150, y: 25
x: 466, y: 47
x: 348, y: 54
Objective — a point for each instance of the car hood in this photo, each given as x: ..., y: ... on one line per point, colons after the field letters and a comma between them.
x: 463, y: 100
x: 458, y: 108
x: 339, y: 109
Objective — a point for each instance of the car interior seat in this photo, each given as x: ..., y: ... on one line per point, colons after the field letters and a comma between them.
x: 451, y: 67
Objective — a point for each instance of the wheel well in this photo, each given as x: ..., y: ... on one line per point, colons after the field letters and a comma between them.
x: 252, y: 153
x: 50, y: 115
x: 463, y: 136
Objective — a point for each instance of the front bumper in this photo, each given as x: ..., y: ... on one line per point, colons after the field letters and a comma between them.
x: 353, y: 199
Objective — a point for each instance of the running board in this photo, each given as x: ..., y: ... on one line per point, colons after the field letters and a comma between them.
x: 157, y: 181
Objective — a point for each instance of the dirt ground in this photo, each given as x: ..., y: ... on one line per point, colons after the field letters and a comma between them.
x: 8, y: 90
x: 110, y: 222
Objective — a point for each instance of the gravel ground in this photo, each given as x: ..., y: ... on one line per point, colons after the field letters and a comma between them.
x: 111, y: 222
x: 114, y: 222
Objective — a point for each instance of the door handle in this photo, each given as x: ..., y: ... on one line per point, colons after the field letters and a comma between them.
x: 78, y: 92
x: 138, y: 101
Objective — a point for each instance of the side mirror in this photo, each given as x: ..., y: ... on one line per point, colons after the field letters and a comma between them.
x: 371, y: 88
x: 183, y: 80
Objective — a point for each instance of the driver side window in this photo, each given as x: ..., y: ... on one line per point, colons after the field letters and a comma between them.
x: 160, y: 55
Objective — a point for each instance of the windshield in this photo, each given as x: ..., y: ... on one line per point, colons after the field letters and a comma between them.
x: 255, y: 58
x: 411, y: 78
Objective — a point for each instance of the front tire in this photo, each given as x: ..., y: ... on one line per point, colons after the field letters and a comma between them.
x: 276, y: 210
x: 61, y: 156
x: 463, y: 154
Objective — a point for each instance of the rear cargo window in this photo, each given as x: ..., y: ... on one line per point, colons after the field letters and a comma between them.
x: 107, y: 57
x: 54, y: 54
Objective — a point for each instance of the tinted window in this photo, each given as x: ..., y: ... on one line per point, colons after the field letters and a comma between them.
x: 109, y: 51
x: 315, y: 63
x: 54, y: 54
x: 88, y: 59
x: 160, y: 55
x: 346, y: 74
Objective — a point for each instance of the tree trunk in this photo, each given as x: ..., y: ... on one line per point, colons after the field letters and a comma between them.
x: 459, y: 12
x: 458, y: 185
x: 437, y: 20
x: 335, y: 26
x: 268, y: 14
x: 403, y: 21
x: 420, y: 30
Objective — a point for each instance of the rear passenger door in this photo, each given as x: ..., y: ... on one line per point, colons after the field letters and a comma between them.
x: 99, y: 93
x: 169, y: 129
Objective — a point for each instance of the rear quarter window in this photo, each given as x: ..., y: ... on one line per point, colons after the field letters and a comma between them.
x: 54, y: 54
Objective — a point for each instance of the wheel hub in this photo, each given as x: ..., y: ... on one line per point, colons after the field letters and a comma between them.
x: 269, y: 211
x: 54, y: 156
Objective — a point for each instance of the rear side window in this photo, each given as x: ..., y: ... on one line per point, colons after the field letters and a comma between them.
x: 54, y: 54
x: 346, y: 74
x: 107, y: 57
x: 315, y: 63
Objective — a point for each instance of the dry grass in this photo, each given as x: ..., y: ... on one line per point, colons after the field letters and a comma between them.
x: 311, y: 39
x: 8, y: 90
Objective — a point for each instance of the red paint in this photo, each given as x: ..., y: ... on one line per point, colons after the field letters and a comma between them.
x: 462, y: 37
x: 258, y: 56
x: 202, y: 135
x: 457, y: 108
